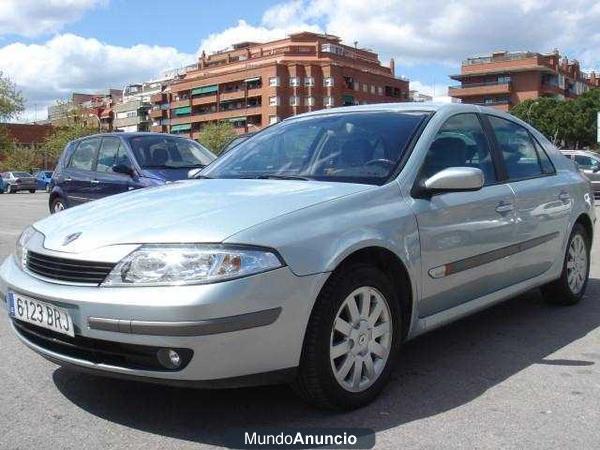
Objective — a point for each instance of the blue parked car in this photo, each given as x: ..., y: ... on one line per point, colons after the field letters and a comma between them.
x: 106, y: 164
x: 42, y: 180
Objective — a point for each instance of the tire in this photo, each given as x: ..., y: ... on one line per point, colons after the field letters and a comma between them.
x: 10, y: 189
x: 58, y: 205
x: 32, y: 191
x: 563, y: 291
x: 317, y: 382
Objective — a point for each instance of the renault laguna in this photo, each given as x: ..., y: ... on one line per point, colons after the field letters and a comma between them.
x: 308, y: 253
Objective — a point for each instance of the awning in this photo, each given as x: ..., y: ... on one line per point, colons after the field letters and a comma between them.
x: 205, y: 89
x: 182, y: 127
x: 237, y: 119
x: 182, y: 111
x: 250, y: 80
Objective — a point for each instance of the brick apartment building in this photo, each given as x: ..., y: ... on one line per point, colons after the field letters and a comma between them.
x: 95, y: 110
x: 253, y: 85
x: 504, y: 79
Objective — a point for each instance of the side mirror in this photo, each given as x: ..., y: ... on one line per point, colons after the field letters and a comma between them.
x: 455, y: 179
x: 124, y: 169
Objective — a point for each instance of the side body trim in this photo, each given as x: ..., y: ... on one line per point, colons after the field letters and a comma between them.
x: 187, y: 328
x: 484, y: 258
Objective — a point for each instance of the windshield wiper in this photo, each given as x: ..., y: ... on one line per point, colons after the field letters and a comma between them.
x: 281, y: 177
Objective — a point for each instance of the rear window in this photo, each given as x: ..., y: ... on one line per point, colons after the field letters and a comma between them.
x: 21, y: 174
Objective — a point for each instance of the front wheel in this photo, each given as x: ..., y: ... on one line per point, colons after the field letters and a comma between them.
x: 58, y: 205
x: 570, y: 287
x: 32, y: 191
x: 351, y: 339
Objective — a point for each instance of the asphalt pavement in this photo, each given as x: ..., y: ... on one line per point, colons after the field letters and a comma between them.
x: 519, y: 375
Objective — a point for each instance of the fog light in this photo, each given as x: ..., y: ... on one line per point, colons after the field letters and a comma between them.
x: 169, y: 358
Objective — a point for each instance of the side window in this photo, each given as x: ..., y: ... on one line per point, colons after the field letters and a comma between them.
x: 84, y: 155
x: 107, y: 154
x: 547, y: 166
x: 585, y: 162
x: 460, y: 142
x: 518, y: 149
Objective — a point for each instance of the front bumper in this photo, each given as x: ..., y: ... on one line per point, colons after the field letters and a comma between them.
x: 236, y: 328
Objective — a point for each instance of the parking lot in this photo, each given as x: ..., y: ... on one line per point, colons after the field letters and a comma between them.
x: 520, y: 375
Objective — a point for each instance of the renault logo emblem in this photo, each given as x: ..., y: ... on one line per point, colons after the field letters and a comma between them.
x: 70, y: 238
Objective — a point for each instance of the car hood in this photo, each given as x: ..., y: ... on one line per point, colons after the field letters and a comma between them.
x: 188, y: 211
x: 167, y: 174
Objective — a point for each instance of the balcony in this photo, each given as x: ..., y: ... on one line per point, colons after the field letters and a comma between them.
x: 479, y: 89
x: 180, y: 103
x: 156, y: 98
x: 156, y: 113
x: 232, y: 95
x: 217, y: 115
x: 204, y: 100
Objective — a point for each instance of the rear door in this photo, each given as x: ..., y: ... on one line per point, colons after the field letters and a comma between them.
x: 543, y: 198
x: 106, y: 182
x: 79, y: 172
x: 463, y: 234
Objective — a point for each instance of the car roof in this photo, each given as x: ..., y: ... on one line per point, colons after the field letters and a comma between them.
x: 425, y: 107
x: 128, y: 134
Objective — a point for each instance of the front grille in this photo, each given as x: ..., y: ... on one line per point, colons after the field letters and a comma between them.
x: 68, y: 269
x: 97, y: 351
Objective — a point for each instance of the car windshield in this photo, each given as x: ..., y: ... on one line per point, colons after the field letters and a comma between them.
x: 169, y: 152
x: 360, y: 147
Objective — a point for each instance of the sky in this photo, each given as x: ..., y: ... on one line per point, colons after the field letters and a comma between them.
x: 51, y: 48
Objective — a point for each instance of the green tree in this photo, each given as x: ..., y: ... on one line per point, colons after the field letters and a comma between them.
x: 20, y: 158
x: 11, y: 100
x: 216, y: 135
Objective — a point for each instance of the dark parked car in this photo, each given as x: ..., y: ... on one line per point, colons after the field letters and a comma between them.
x: 18, y: 181
x: 42, y: 179
x: 101, y: 165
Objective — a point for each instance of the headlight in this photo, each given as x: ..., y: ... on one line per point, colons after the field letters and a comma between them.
x: 21, y: 251
x: 160, y: 265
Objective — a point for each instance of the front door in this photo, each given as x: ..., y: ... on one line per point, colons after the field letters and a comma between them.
x: 107, y: 182
x: 463, y: 235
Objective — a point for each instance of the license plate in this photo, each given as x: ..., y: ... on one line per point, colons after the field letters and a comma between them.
x: 40, y: 313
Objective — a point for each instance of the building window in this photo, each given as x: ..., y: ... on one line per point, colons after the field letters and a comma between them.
x: 273, y: 101
x: 309, y: 81
x: 328, y: 81
x: 372, y: 89
x: 379, y: 90
x: 365, y: 88
x: 504, y: 79
x: 310, y: 101
x: 273, y: 119
x: 294, y: 100
x: 274, y: 82
x: 294, y: 81
x: 328, y: 101
x: 356, y: 86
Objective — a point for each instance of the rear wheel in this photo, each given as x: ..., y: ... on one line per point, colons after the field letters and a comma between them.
x: 351, y: 338
x: 32, y: 191
x: 58, y: 205
x: 11, y: 189
x: 570, y: 287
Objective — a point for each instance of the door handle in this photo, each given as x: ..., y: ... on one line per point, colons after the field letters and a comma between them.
x: 94, y: 182
x: 564, y: 197
x: 68, y: 179
x: 504, y: 207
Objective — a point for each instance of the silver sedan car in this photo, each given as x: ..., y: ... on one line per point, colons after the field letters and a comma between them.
x: 307, y: 254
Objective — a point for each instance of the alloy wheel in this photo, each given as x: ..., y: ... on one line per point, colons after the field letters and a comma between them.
x: 577, y: 262
x: 361, y: 338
